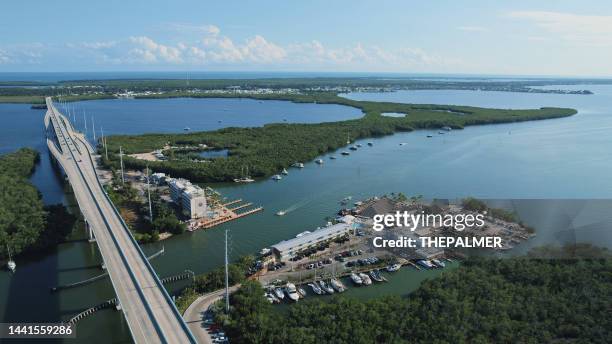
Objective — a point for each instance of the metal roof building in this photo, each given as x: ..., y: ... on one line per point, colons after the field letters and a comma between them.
x: 288, y: 248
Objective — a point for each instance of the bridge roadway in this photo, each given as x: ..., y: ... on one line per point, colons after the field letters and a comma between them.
x: 150, y: 313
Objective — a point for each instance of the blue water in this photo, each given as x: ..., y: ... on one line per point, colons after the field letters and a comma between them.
x: 137, y: 116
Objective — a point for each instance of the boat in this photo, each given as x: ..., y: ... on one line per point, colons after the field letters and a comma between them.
x: 356, y: 279
x: 186, y: 128
x: 332, y: 157
x: 337, y: 285
x: 345, y: 200
x: 301, y: 291
x: 402, y: 143
x: 271, y: 298
x: 425, y: 263
x: 394, y: 267
x: 365, y: 279
x: 11, y: 265
x: 345, y: 153
x: 315, y: 288
x: 447, y: 128
x: 438, y: 263
x: 281, y: 213
x: 358, y: 145
x: 245, y: 178
x: 353, y: 148
x: 291, y: 291
x: 375, y: 274
x: 298, y: 165
x: 279, y: 293
x: 441, y: 133
x: 277, y: 177
x: 370, y: 144
x: 284, y: 171
x: 325, y: 287
x: 429, y: 135
x: 319, y: 161
x: 265, y: 251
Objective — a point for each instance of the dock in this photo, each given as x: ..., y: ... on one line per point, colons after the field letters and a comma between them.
x: 224, y: 213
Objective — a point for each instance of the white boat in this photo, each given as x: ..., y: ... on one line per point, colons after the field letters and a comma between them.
x: 403, y: 143
x: 186, y: 128
x: 284, y: 171
x: 281, y: 213
x: 298, y: 165
x: 292, y: 292
x: 277, y: 177
x: 325, y: 287
x: 358, y: 145
x: 301, y: 291
x: 430, y: 136
x: 337, y: 285
x: 394, y: 267
x: 271, y: 298
x: 356, y: 279
x: 315, y: 288
x: 279, y: 293
x: 365, y: 279
x: 319, y: 161
x: 425, y: 263
x: 438, y: 263
x: 245, y: 177
x: 11, y: 265
x: 265, y: 251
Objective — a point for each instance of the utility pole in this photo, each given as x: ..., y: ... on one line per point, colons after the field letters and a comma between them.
x: 226, y: 277
x: 149, y: 196
x: 93, y: 128
x: 121, y: 163
x: 104, y: 143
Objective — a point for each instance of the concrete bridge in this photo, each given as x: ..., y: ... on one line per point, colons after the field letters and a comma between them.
x: 148, y: 309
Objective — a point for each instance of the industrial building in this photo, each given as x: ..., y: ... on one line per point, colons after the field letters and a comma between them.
x: 284, y: 250
x: 191, y: 198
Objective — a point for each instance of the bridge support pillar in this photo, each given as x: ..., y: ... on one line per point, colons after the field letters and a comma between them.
x: 92, y: 238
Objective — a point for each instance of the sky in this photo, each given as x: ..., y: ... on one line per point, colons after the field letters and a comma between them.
x: 556, y: 38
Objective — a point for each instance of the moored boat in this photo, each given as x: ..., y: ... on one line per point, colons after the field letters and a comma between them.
x: 337, y: 285
x: 365, y: 278
x: 393, y: 267
x: 438, y: 263
x: 277, y: 177
x: 375, y: 274
x: 345, y: 153
x: 326, y: 287
x: 301, y: 291
x: 315, y: 288
x: 356, y: 279
x: 319, y: 161
x: 425, y: 263
x: 284, y: 171
x: 298, y: 165
x: 291, y: 291
x: 279, y: 293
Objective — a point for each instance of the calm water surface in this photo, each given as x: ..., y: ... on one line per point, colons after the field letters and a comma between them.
x: 565, y: 158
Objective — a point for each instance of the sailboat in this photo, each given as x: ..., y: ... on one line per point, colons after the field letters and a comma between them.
x: 285, y: 172
x: 245, y: 177
x: 11, y: 265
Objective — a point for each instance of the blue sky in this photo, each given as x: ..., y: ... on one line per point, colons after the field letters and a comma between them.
x: 474, y: 37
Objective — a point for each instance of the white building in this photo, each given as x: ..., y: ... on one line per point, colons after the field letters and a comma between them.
x: 191, y: 198
x: 288, y: 248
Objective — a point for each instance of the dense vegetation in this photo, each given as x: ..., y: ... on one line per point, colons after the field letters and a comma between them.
x: 484, y: 301
x: 134, y: 209
x: 266, y: 150
x: 25, y: 224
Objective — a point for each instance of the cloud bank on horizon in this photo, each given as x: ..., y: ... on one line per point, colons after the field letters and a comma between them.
x: 493, y: 40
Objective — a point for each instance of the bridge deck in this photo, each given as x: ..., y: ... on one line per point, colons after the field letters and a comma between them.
x: 149, y: 311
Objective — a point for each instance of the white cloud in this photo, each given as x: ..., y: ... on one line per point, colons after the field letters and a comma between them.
x: 472, y: 28
x: 592, y: 30
x: 207, y: 45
